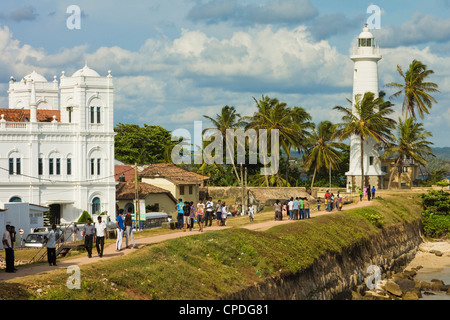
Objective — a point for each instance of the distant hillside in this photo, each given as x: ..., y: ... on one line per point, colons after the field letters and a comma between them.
x: 442, y: 153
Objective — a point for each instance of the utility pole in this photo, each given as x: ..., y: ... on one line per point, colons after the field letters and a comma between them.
x: 137, y: 210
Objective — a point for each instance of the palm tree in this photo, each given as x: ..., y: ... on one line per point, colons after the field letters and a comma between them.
x: 411, y: 143
x: 291, y: 124
x: 227, y: 119
x: 322, y: 150
x: 416, y: 89
x: 369, y: 120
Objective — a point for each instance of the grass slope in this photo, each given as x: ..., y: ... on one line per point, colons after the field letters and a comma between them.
x: 213, y: 264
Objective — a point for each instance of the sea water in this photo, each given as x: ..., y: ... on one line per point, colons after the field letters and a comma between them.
x: 443, y: 275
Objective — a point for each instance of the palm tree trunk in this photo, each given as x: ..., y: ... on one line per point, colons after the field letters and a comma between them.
x: 362, y: 162
x: 392, y: 174
x: 314, y: 177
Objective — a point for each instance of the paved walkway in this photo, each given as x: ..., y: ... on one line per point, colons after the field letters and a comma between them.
x: 111, y: 252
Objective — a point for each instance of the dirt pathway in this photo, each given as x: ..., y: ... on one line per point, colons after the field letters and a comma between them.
x: 111, y: 252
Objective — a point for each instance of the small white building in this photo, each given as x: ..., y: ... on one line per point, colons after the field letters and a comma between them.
x: 21, y: 215
x: 57, y: 144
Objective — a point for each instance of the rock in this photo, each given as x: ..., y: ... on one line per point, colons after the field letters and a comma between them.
x: 356, y: 296
x: 405, y: 285
x: 410, y: 296
x: 371, y: 295
x: 445, y: 288
x: 393, y: 288
x: 410, y: 274
x: 425, y: 286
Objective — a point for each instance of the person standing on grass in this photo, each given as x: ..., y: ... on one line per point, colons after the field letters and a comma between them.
x: 200, y: 214
x: 100, y: 234
x: 186, y: 215
x: 51, y: 246
x: 119, y: 230
x: 179, y: 207
x: 89, y: 233
x: 129, y: 228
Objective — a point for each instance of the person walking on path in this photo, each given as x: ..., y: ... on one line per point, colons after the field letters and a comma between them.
x: 89, y: 233
x: 365, y: 191
x: 295, y: 207
x: 318, y: 203
x: 360, y: 195
x: 277, y: 209
x: 7, y: 245
x: 119, y: 230
x: 219, y: 212
x: 191, y: 215
x: 179, y: 207
x: 306, y: 209
x: 369, y: 193
x: 51, y: 246
x: 223, y: 214
x: 186, y: 215
x: 100, y: 234
x: 301, y: 209
x: 251, y: 213
x: 373, y: 192
x: 129, y: 229
x: 209, y: 212
x: 200, y: 213
x: 291, y: 208
x: 75, y: 230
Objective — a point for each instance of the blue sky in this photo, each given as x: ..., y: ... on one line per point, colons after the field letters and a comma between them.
x: 175, y: 61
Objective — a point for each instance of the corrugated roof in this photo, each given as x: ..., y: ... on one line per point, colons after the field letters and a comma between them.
x: 175, y: 174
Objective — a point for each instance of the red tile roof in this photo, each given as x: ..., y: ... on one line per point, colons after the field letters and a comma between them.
x: 23, y: 115
x: 124, y: 170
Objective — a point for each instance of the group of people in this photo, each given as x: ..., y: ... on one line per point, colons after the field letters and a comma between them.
x: 203, y: 213
x: 293, y: 209
x: 124, y: 225
x: 332, y: 201
x: 368, y: 192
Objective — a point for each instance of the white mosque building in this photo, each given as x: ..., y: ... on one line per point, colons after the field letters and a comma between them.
x: 365, y: 56
x: 57, y: 144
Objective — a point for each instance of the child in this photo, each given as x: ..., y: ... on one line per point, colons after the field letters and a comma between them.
x: 200, y: 213
x: 250, y: 212
x: 224, y: 214
x: 318, y: 203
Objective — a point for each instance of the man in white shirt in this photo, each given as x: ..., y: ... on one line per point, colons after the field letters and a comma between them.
x: 209, y: 212
x: 291, y: 208
x: 51, y: 246
x: 100, y: 233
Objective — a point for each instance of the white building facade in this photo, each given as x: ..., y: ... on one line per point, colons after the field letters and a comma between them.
x: 58, y: 144
x: 365, y: 79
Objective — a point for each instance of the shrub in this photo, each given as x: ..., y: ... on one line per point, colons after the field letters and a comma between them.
x: 84, y: 217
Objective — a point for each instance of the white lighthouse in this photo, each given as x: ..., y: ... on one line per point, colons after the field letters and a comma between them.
x: 365, y: 79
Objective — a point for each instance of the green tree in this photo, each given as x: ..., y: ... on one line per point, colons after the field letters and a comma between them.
x: 416, y: 89
x: 143, y: 145
x: 411, y: 143
x: 368, y: 120
x: 292, y: 124
x: 322, y: 150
